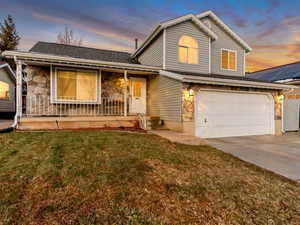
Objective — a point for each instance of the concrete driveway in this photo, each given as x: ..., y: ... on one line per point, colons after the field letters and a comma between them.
x: 280, y: 154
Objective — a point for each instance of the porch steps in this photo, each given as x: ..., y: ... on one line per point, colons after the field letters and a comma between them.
x: 61, y: 123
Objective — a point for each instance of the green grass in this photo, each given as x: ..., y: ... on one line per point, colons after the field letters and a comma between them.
x: 93, y: 177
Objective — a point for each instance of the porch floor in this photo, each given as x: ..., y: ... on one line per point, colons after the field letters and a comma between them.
x: 61, y: 123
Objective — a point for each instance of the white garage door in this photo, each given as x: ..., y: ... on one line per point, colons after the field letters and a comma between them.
x: 226, y: 114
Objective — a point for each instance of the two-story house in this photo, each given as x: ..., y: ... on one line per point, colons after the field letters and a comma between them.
x: 188, y: 75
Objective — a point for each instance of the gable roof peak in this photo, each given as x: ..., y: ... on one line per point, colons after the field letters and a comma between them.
x: 163, y: 25
x: 228, y: 30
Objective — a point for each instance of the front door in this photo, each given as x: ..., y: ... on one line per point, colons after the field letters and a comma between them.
x: 138, y: 95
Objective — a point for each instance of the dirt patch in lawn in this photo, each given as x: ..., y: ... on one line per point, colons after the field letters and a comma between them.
x: 107, y: 177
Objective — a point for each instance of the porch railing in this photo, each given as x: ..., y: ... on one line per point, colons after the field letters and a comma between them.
x: 41, y: 106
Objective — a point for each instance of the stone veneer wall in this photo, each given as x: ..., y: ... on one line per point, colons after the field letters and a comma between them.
x: 188, y: 104
x: 38, y: 87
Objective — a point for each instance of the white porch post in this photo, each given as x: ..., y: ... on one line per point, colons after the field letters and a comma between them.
x: 19, y: 79
x: 125, y: 93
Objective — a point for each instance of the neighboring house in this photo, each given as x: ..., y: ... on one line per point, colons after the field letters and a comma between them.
x: 188, y: 74
x: 285, y: 74
x: 7, y: 90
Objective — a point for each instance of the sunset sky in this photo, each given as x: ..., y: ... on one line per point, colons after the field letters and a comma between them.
x: 271, y: 27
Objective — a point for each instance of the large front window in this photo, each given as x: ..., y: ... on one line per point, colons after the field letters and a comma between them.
x: 4, y: 90
x: 77, y: 85
x: 188, y: 50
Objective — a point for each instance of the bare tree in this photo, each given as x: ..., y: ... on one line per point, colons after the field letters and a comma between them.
x: 67, y: 37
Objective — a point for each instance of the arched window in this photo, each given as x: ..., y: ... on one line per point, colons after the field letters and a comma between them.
x: 4, y: 90
x: 188, y: 50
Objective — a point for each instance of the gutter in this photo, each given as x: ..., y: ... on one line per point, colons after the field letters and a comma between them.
x: 227, y: 82
x: 67, y: 59
x: 14, y: 125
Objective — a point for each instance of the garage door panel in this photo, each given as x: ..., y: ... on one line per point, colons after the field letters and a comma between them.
x: 220, y: 114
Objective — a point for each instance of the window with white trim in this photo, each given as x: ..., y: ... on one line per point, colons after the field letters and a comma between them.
x: 4, y: 91
x: 228, y: 59
x: 188, y: 50
x: 76, y: 85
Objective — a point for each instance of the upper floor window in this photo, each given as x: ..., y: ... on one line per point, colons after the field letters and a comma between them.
x: 188, y: 50
x: 228, y: 60
x: 4, y: 90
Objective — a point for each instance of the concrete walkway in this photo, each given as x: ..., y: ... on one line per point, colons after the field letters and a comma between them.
x: 280, y: 154
x: 179, y: 137
x: 5, y: 124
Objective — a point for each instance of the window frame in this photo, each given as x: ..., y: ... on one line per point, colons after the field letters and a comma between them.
x: 221, y: 59
x: 187, y: 48
x: 53, y: 86
x: 9, y: 97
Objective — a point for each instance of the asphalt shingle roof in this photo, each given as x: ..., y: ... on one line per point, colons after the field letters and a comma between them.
x: 285, y: 72
x: 82, y: 52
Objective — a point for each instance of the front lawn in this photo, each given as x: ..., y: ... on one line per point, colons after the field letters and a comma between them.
x: 94, y: 177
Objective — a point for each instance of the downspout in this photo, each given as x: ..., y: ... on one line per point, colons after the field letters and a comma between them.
x: 14, y: 125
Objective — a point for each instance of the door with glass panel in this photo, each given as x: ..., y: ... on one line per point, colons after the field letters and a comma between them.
x: 138, y: 95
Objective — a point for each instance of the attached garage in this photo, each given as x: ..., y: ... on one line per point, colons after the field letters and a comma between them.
x: 214, y: 106
x: 229, y: 114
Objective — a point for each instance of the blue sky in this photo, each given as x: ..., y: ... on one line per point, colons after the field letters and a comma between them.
x: 271, y: 27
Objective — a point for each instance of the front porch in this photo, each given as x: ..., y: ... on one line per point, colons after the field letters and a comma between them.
x: 114, y: 99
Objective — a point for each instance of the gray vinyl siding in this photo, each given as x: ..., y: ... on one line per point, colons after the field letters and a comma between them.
x: 226, y: 42
x: 153, y: 96
x: 173, y: 35
x: 153, y: 55
x: 7, y: 105
x: 170, y: 99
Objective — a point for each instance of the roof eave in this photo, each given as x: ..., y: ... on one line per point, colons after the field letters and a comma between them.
x: 226, y: 82
x: 54, y: 58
